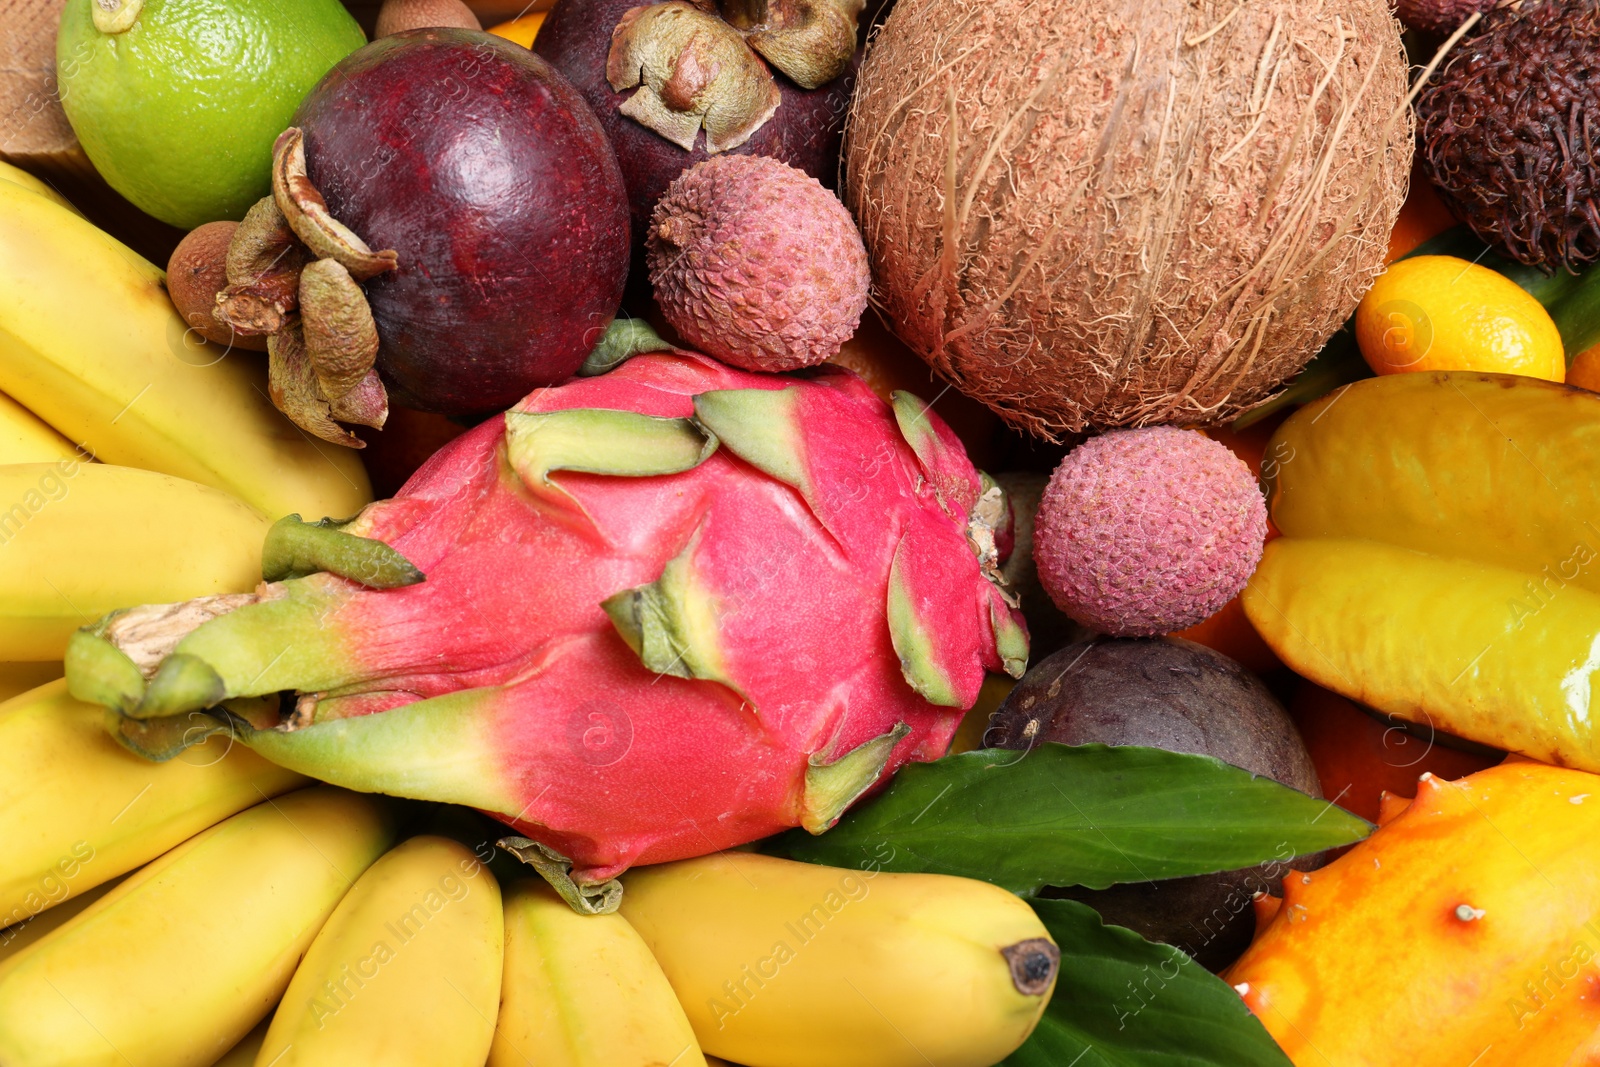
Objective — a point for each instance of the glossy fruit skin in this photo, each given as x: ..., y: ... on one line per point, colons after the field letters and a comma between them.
x: 1439, y: 560
x: 584, y: 990
x: 1465, y: 930
x: 405, y: 972
x: 68, y: 791
x: 485, y: 170
x: 1444, y: 313
x: 760, y: 951
x: 804, y: 132
x: 182, y: 959
x: 635, y: 647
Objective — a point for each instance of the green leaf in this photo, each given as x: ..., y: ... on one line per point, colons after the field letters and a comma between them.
x: 1090, y: 815
x: 1122, y: 1001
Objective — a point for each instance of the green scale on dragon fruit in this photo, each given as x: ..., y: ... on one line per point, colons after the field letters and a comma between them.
x: 667, y: 610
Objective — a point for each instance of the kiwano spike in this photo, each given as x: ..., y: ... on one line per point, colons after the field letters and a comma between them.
x: 296, y: 549
x: 1390, y: 807
x: 832, y: 786
x: 1462, y: 932
x: 1266, y: 907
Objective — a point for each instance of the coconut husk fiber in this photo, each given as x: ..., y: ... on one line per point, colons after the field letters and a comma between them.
x: 1126, y: 212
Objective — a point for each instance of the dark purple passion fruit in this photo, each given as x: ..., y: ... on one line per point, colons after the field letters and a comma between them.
x: 485, y: 170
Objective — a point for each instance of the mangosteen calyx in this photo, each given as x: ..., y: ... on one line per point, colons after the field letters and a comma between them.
x: 692, y: 70
x: 263, y: 267
x: 809, y: 40
x: 308, y: 215
x: 294, y: 274
x: 696, y: 66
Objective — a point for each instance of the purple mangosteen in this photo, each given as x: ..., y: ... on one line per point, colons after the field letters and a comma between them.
x: 484, y: 169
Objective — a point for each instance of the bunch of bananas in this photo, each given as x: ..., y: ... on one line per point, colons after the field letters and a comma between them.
x: 251, y: 887
x: 220, y: 909
x: 138, y: 463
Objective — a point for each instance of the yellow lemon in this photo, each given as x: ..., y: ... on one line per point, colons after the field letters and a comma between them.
x: 1442, y: 313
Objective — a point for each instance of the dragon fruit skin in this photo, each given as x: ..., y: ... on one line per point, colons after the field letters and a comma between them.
x: 634, y: 667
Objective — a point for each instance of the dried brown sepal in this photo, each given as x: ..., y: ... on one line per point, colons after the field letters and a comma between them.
x: 365, y: 405
x: 262, y: 244
x: 256, y: 311
x: 809, y: 40
x: 341, y: 338
x: 693, y: 72
x: 263, y: 265
x: 308, y: 215
x: 292, y: 385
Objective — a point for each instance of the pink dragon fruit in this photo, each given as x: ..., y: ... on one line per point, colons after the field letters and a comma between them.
x: 667, y: 610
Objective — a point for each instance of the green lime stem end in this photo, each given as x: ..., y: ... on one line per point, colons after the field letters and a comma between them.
x: 115, y: 16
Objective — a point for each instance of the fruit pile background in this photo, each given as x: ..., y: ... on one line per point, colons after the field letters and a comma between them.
x: 930, y: 532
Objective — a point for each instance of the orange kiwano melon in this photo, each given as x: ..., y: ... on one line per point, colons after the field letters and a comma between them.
x: 1465, y: 931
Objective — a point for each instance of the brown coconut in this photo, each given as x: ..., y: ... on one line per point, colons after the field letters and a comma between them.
x: 1095, y: 213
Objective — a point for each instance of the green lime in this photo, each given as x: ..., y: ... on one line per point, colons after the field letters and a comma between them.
x: 177, y: 102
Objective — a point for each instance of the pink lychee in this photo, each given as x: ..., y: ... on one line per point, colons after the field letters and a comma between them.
x: 1148, y: 531
x: 754, y: 262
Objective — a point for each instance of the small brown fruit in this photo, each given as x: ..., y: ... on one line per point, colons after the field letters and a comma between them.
x: 397, y: 16
x: 1438, y: 16
x: 1505, y: 131
x: 196, y: 272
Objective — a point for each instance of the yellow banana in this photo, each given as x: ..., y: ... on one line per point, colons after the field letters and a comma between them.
x: 244, y: 1053
x: 784, y: 964
x: 90, y: 342
x: 18, y: 936
x: 176, y: 964
x: 19, y: 678
x: 78, y: 540
x: 76, y: 809
x: 18, y: 176
x: 405, y: 971
x: 25, y: 438
x: 583, y: 991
